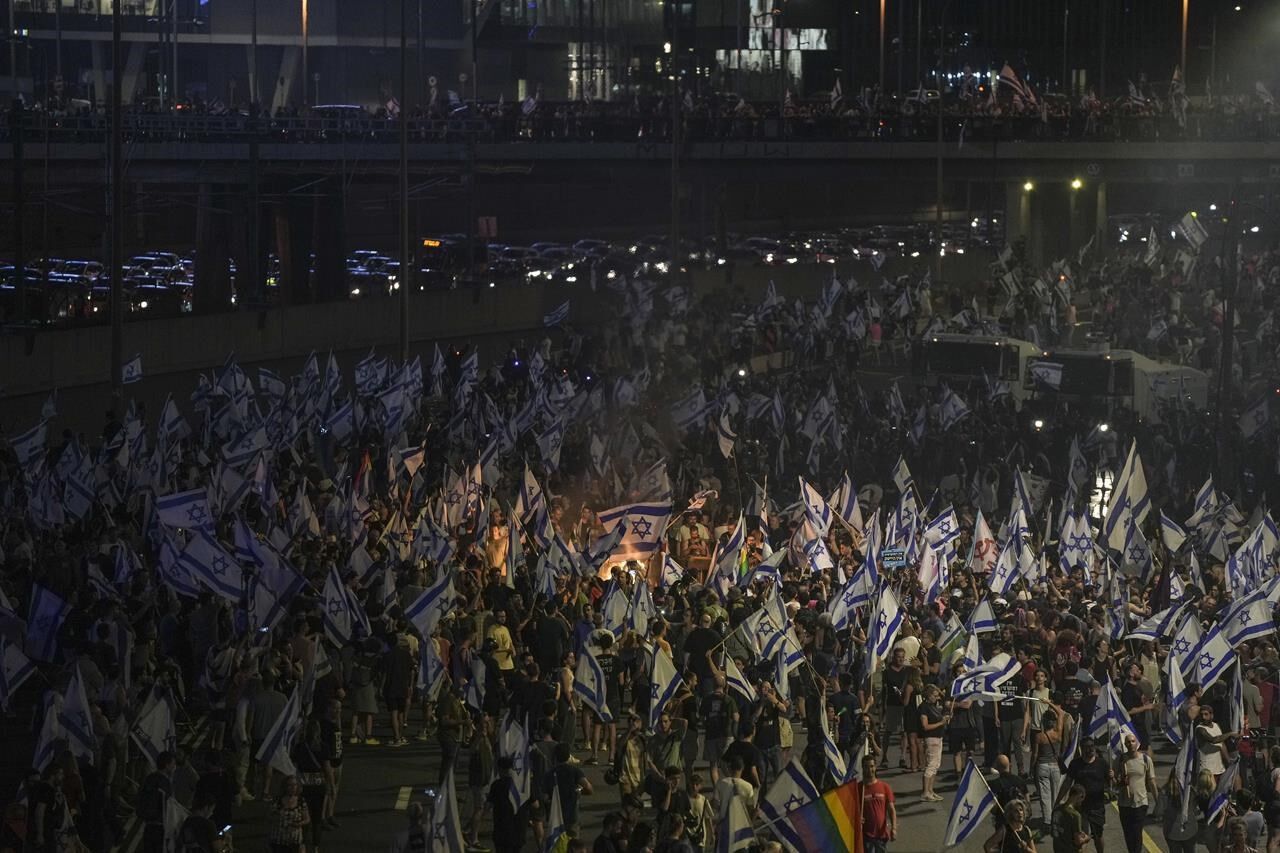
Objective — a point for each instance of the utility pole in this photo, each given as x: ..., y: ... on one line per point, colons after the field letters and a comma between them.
x: 406, y: 264
x: 253, y: 52
x: 673, y: 68
x: 19, y: 248
x: 1230, y: 243
x: 117, y: 209
x: 942, y: 45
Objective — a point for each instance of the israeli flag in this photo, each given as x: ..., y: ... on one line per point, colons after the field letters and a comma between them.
x: 983, y: 618
x: 836, y: 765
x: 76, y: 720
x: 1223, y: 791
x: 972, y: 653
x: 1249, y: 619
x: 815, y: 507
x: 952, y: 411
x: 29, y: 446
x: 1213, y: 655
x: 664, y: 683
x: 431, y: 670
x: 556, y: 316
x: 646, y: 525
x: 1172, y: 535
x: 276, y: 750
x: 589, y: 684
x: 153, y: 731
x: 983, y: 682
x: 725, y: 435
x: 725, y: 560
x: 735, y: 832
x: 131, y: 372
x: 735, y: 681
x: 1255, y: 419
x: 429, y: 608
x: 44, y: 621
x: 844, y: 502
x: 792, y: 789
x: 1158, y: 625
x: 1005, y: 573
x: 672, y: 572
x: 856, y: 593
x: 189, y: 509
x: 15, y: 669
x: 642, y: 610
x: 205, y: 559
x: 972, y: 804
x: 1047, y: 374
x: 886, y: 619
x: 339, y: 620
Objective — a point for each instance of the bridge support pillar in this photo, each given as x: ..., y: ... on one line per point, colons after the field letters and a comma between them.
x: 293, y: 225
x: 330, y: 247
x: 212, y: 289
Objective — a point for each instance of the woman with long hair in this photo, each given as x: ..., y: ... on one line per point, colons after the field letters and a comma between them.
x: 1047, y: 749
x: 913, y: 701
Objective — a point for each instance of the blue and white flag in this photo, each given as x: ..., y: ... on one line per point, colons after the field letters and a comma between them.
x: 664, y: 683
x: 557, y: 315
x: 76, y: 719
x: 983, y: 618
x: 153, y: 731
x: 1212, y: 656
x: 276, y: 750
x: 672, y: 572
x: 792, y: 789
x: 815, y: 508
x: 1222, y: 791
x: 844, y: 503
x: 983, y: 682
x: 1248, y: 619
x: 1171, y: 533
x: 725, y: 436
x: 1128, y: 499
x: 29, y: 447
x: 972, y: 804
x: 590, y: 685
x: 886, y: 619
x: 337, y: 610
x: 429, y: 608
x: 15, y: 669
x: 513, y: 743
x: 1159, y: 625
x: 206, y: 560
x: 1046, y: 374
x: 836, y: 764
x: 1255, y: 419
x: 646, y: 525
x: 642, y: 610
x: 736, y: 682
x: 44, y: 621
x: 431, y: 670
x: 1005, y: 573
x: 188, y: 510
x: 131, y: 372
x: 735, y: 832
x: 952, y: 410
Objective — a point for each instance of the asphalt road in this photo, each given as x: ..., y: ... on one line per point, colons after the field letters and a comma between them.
x: 379, y: 782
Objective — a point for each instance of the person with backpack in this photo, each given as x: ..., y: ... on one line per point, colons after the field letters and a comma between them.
x: 153, y: 797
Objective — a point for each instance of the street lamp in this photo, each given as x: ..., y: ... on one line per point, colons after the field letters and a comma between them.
x: 1076, y: 183
x: 305, y: 28
x: 1028, y: 187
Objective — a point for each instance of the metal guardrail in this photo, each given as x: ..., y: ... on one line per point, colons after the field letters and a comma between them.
x: 566, y: 123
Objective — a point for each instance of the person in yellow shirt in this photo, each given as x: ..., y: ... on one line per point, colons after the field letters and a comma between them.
x: 504, y: 649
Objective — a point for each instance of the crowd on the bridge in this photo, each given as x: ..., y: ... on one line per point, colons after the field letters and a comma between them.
x: 974, y: 110
x: 596, y: 552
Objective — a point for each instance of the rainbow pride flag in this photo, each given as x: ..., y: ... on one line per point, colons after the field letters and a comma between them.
x: 832, y: 822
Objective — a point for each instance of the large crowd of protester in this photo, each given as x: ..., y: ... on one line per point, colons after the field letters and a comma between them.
x: 733, y: 588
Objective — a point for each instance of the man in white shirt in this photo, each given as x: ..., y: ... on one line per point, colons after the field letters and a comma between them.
x: 1209, y: 739
x: 733, y: 785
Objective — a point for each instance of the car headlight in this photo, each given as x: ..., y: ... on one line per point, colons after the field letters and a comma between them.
x: 611, y: 275
x: 792, y: 260
x: 719, y: 262
x: 571, y: 279
x: 142, y: 304
x: 355, y: 291
x: 768, y: 258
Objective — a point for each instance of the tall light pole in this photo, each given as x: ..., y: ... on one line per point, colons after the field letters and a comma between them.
x: 942, y: 45
x: 306, y: 79
x: 117, y: 209
x: 1185, y: 8
x: 405, y: 265
x: 881, y: 76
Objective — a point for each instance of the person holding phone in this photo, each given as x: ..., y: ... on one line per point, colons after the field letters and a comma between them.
x: 934, y: 719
